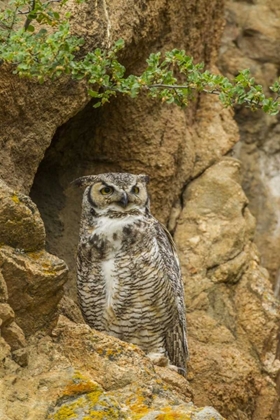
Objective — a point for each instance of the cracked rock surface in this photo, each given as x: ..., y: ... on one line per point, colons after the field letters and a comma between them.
x: 54, y: 367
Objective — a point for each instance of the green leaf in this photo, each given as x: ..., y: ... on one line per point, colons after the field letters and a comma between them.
x: 30, y: 28
x: 119, y: 43
x: 45, y: 54
x: 93, y: 93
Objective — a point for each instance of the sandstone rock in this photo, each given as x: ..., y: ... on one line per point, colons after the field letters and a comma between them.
x: 71, y: 310
x: 31, y: 119
x: 29, y: 116
x: 80, y: 373
x: 251, y: 40
x: 7, y: 315
x: 35, y: 294
x: 215, y: 212
x: 20, y: 356
x: 20, y: 223
x: 177, y: 382
x: 215, y: 132
x: 4, y: 350
x: 232, y: 313
x: 3, y: 289
x: 14, y: 336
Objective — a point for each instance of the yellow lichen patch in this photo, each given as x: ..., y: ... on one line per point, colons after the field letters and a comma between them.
x: 15, y: 199
x: 172, y: 414
x: 93, y: 405
x: 35, y: 255
x: 64, y: 413
x: 80, y: 384
x: 48, y: 271
x: 109, y: 408
x: 80, y: 388
x: 138, y: 406
x: 112, y: 353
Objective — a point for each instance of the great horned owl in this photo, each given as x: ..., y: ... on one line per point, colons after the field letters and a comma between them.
x: 128, y: 275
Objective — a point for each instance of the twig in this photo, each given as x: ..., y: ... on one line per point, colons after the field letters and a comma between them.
x: 24, y: 13
x: 108, y: 23
x: 168, y: 86
x: 13, y: 22
x: 214, y: 91
x: 29, y: 20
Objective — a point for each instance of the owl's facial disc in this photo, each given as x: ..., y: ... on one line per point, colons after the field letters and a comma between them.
x: 104, y: 196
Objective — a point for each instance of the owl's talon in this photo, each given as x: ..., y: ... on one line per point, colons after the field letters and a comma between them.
x: 158, y: 359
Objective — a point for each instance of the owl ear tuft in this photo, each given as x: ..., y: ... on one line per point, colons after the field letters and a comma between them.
x: 84, y: 181
x: 144, y: 178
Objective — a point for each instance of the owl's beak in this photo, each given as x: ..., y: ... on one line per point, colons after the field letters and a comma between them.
x: 124, y: 200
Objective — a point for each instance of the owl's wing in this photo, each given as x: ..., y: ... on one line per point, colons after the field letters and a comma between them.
x: 176, y: 336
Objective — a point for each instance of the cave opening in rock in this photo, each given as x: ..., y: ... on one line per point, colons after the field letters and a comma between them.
x: 124, y: 135
x: 71, y: 154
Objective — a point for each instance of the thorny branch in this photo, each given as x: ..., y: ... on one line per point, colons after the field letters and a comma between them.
x: 40, y: 54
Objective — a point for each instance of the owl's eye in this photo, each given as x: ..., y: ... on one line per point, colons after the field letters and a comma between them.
x: 135, y: 190
x: 106, y: 190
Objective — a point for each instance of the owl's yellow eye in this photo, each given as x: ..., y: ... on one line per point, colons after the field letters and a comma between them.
x: 106, y: 190
x: 135, y: 190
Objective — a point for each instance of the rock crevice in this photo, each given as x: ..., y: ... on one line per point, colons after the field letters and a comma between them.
x: 54, y: 135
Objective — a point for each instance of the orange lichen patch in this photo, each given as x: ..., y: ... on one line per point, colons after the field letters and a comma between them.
x: 138, y: 406
x: 81, y: 385
x: 113, y: 353
x: 80, y: 388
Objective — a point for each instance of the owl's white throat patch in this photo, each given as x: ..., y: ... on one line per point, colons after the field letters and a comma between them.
x: 110, y: 228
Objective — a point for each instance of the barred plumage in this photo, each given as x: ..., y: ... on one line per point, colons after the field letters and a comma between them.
x: 129, y: 279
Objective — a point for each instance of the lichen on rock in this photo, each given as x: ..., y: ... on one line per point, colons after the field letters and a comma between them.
x: 51, y: 134
x: 70, y: 378
x: 232, y: 313
x: 253, y: 43
x: 38, y: 289
x: 20, y: 223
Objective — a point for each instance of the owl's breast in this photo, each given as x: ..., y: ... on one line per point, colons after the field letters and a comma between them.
x: 113, y: 245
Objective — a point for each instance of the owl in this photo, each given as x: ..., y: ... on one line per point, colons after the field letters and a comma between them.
x: 128, y: 273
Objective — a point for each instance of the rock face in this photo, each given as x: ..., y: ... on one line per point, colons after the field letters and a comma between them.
x: 71, y: 371
x: 251, y: 40
x: 232, y: 313
x: 20, y: 223
x: 78, y: 373
x: 38, y: 287
x: 31, y: 280
x: 27, y: 271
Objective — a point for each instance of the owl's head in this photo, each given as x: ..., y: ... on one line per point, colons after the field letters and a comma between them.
x: 115, y: 192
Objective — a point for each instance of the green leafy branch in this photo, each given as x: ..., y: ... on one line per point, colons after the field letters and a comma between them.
x: 36, y: 39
